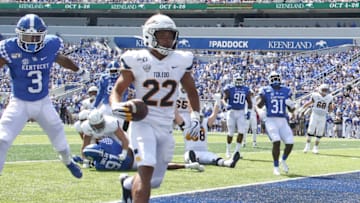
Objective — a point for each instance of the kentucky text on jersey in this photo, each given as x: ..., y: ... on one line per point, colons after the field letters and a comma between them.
x: 35, y: 66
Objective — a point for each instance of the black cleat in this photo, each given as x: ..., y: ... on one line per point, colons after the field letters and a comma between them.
x: 126, y: 194
x: 192, y: 156
x: 235, y: 159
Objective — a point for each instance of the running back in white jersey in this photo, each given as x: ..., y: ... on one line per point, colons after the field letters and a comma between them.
x: 156, y: 81
x: 321, y: 104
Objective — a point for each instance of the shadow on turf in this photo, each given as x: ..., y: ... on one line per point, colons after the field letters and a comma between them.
x: 339, y: 155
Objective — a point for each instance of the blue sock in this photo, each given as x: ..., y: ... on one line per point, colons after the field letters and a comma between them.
x: 284, y: 157
x: 276, y: 163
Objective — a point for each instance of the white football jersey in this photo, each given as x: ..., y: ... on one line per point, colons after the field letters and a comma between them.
x: 77, y: 126
x: 87, y: 104
x: 182, y: 102
x: 156, y: 81
x: 321, y: 104
x: 199, y: 143
x: 111, y: 125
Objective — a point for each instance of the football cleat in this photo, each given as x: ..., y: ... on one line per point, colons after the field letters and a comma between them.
x: 254, y: 144
x: 74, y: 169
x: 192, y: 156
x: 197, y: 166
x: 284, y: 166
x: 276, y: 171
x: 77, y: 159
x: 126, y: 193
x: 306, y: 149
x: 315, y: 150
x: 235, y: 159
x: 227, y: 154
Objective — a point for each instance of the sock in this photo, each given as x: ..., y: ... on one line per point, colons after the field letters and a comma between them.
x: 65, y: 156
x: 276, y: 163
x: 128, y: 183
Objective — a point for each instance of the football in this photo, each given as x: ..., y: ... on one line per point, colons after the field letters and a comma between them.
x: 139, y: 109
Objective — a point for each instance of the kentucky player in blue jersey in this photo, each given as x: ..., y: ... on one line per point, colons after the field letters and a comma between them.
x: 236, y: 95
x: 277, y: 100
x: 106, y: 85
x: 30, y: 57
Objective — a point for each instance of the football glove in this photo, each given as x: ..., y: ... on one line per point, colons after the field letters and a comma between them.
x: 217, y: 98
x: 121, y: 110
x: 123, y: 155
x: 194, y: 129
x: 83, y: 74
x: 290, y: 103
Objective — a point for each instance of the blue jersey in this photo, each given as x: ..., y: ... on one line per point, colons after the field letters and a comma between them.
x: 106, y: 85
x: 110, y: 159
x: 275, y: 100
x: 237, y: 96
x: 30, y: 72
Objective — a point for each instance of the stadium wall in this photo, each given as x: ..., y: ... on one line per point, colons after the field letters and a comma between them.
x: 74, y: 33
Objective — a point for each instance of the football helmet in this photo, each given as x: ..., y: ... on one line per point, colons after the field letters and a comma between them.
x: 93, y: 152
x: 113, y: 69
x: 324, y: 89
x: 31, y: 31
x: 274, y: 78
x: 238, y: 80
x: 152, y: 25
x: 96, y: 121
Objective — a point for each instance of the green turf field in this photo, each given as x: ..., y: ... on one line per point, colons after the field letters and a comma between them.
x: 33, y: 173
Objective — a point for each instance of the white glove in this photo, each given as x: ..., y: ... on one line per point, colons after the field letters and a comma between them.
x: 194, y: 129
x: 84, y: 74
x: 123, y: 155
x: 217, y: 98
x: 119, y: 109
x: 290, y: 103
x: 86, y: 163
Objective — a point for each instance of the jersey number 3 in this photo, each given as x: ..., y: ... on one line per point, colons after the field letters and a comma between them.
x: 154, y: 87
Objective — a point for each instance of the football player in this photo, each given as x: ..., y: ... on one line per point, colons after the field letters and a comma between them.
x: 88, y: 103
x: 98, y: 126
x: 155, y: 73
x: 196, y: 148
x: 251, y: 123
x: 30, y: 57
x: 235, y: 96
x: 277, y: 100
x: 105, y: 157
x: 82, y: 117
x: 321, y: 102
x: 106, y: 85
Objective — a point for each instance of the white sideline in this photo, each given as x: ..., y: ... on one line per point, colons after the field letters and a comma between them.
x: 245, y: 185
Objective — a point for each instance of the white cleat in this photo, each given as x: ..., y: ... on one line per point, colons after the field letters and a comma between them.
x: 315, y: 150
x: 284, y: 166
x: 306, y: 149
x: 254, y: 144
x: 276, y: 171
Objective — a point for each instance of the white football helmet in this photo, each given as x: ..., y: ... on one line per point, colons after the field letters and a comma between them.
x: 274, y: 78
x: 324, y: 89
x: 96, y: 121
x: 238, y: 80
x: 31, y: 31
x: 152, y: 25
x: 93, y: 89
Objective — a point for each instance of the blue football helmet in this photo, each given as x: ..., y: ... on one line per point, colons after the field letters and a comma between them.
x: 238, y: 80
x: 275, y: 78
x: 93, y: 152
x: 31, y: 31
x: 113, y: 69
